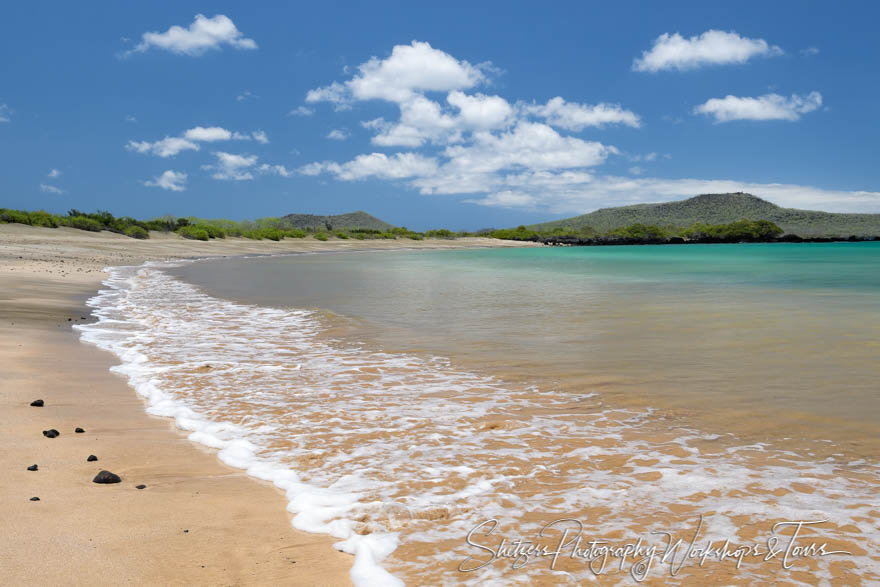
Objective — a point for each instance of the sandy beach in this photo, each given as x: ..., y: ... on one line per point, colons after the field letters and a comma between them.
x: 197, y: 521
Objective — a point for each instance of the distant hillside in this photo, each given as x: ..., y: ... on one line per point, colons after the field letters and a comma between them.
x: 351, y: 220
x: 723, y: 209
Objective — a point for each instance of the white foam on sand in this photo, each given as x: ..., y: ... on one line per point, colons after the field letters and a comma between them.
x: 382, y: 449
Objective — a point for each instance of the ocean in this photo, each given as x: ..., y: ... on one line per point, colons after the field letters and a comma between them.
x: 401, y: 399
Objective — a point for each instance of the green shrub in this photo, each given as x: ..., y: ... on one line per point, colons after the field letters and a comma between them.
x: 42, y: 218
x: 83, y: 223
x: 439, y: 233
x: 15, y: 216
x: 193, y: 232
x: 295, y: 233
x: 415, y: 236
x: 341, y: 234
x: 137, y: 232
x: 321, y: 236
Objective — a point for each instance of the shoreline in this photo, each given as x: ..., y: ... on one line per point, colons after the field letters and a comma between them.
x: 198, y: 520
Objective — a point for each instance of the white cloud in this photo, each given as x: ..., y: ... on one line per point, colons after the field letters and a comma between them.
x: 767, y: 107
x: 335, y: 93
x: 275, y: 170
x: 417, y: 67
x: 5, y: 113
x: 301, y: 111
x: 202, y: 35
x: 481, y: 112
x: 245, y: 95
x: 337, y: 135
x: 50, y: 189
x: 710, y: 48
x: 636, y: 170
x: 207, y: 134
x: 810, y: 51
x: 130, y: 118
x: 169, y: 180
x: 378, y: 165
x: 54, y: 173
x: 529, y: 145
x: 167, y: 147
x: 171, y: 146
x: 230, y: 166
x: 575, y: 117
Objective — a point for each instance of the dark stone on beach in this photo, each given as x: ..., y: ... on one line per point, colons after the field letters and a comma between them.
x: 79, y: 430
x: 140, y: 486
x: 106, y: 477
x: 35, y: 499
x: 32, y: 468
x: 70, y: 319
x: 51, y: 433
x: 37, y: 403
x: 92, y: 458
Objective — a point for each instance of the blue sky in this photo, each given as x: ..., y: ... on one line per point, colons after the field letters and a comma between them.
x: 461, y: 114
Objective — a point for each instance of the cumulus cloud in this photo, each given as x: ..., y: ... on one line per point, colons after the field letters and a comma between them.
x: 575, y: 117
x: 167, y: 147
x: 245, y: 95
x: 130, y: 118
x: 767, y: 107
x: 54, y: 173
x: 417, y: 67
x: 230, y: 166
x: 403, y: 78
x: 810, y: 51
x: 204, y: 34
x: 412, y: 72
x: 481, y: 112
x: 260, y: 136
x: 50, y: 189
x: 337, y: 135
x: 5, y: 113
x: 169, y: 180
x: 713, y: 47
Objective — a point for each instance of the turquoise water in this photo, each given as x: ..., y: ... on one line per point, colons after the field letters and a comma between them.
x: 760, y: 340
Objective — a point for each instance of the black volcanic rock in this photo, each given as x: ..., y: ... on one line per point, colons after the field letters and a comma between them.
x: 140, y: 486
x: 35, y: 499
x: 92, y: 458
x: 37, y: 403
x: 79, y: 430
x: 32, y: 468
x: 106, y: 477
x: 52, y: 433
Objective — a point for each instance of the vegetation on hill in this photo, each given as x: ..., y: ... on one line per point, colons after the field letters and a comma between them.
x: 352, y: 220
x: 639, y: 233
x: 357, y: 225
x: 720, y: 209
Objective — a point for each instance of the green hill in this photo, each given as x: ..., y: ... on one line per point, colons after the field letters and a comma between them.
x: 722, y: 209
x: 336, y: 222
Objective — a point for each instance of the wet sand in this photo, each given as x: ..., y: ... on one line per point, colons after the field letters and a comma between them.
x: 197, y: 521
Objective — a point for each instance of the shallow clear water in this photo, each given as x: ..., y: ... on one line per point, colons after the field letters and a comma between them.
x: 632, y: 388
x: 784, y: 336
